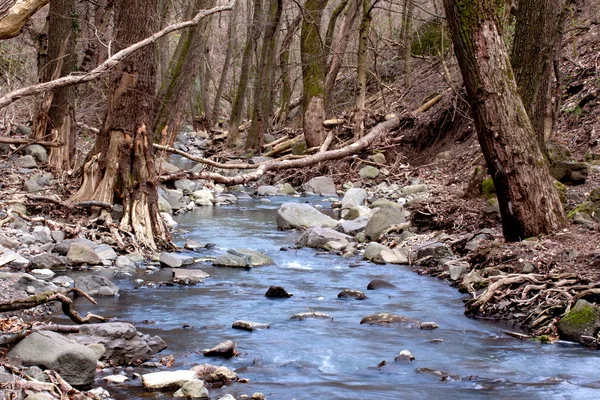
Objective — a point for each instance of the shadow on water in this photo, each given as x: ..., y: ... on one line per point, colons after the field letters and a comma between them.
x: 334, y: 359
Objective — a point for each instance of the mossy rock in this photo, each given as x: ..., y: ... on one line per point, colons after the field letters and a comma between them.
x: 582, y: 320
x: 562, y: 191
x: 488, y: 190
x: 299, y: 148
x: 558, y: 152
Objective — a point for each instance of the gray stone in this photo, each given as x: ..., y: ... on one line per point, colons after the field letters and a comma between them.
x: 8, y: 242
x: 321, y: 185
x: 80, y: 253
x: 38, y: 152
x: 43, y: 273
x: 351, y: 294
x: 582, y: 320
x: 354, y: 226
x: 267, y: 191
x: 105, y: 252
x: 572, y: 172
x: 387, y: 319
x: 584, y: 219
x: 226, y: 198
x: 378, y: 158
x: 457, y: 269
x: 383, y: 219
x: 368, y: 172
x: 164, y: 206
x: 436, y: 250
x: 243, y: 258
x: 26, y: 162
x: 48, y: 261
x: 168, y: 220
x: 211, y: 373
x: 175, y: 198
x: 75, y: 363
x: 249, y: 325
x: 122, y: 342
x: 394, y: 256
x: 226, y: 349
x: 185, y: 185
x: 287, y: 189
x: 354, y: 197
x: 96, y: 285
x: 373, y: 252
x: 310, y: 315
x: 63, y: 281
x: 188, y: 276
x: 32, y: 186
x: 415, y: 189
x: 192, y: 389
x: 404, y: 355
x: 296, y: 215
x: 58, y: 236
x: 318, y: 237
x: 175, y: 260
x: 192, y: 244
x: 23, y: 130
x: 63, y: 247
x: 163, y: 166
x: 26, y: 281
x: 123, y: 262
x: 42, y: 234
x: 385, y: 203
x: 203, y: 197
x: 376, y: 284
x: 166, y: 379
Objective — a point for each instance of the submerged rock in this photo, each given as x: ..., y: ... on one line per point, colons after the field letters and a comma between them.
x: 380, y: 284
x: 243, y: 258
x: 310, y: 315
x: 387, y: 319
x: 249, y: 325
x: 351, y: 294
x: 277, y: 292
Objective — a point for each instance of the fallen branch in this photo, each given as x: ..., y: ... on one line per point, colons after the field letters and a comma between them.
x: 110, y: 63
x: 15, y: 13
x: 201, y: 160
x: 82, y: 204
x: 28, y: 141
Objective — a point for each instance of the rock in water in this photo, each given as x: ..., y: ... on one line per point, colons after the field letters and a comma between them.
x: 582, y: 320
x: 243, y: 258
x: 404, y: 355
x: 321, y: 185
x: 81, y: 253
x: 193, y: 389
x: 297, y: 215
x: 387, y: 319
x: 380, y: 284
x: 249, y: 325
x: 224, y: 349
x: 167, y: 379
x: 351, y: 294
x: 75, y: 363
x: 310, y: 315
x: 318, y: 237
x: 277, y: 292
x: 96, y: 285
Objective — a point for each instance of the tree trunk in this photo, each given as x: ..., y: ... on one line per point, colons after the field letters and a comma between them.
x: 340, y: 48
x: 331, y: 28
x: 313, y: 73
x: 163, y: 43
x: 361, y: 70
x: 121, y: 166
x: 263, y: 86
x: 184, y: 66
x: 56, y: 114
x: 231, y: 32
x: 233, y: 137
x: 537, y: 38
x: 14, y: 14
x: 528, y: 201
x: 407, y: 40
x: 284, y: 64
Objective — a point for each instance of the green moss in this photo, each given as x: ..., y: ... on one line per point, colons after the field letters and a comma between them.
x: 580, y: 317
x: 428, y: 39
x: 562, y: 191
x: 543, y: 339
x: 487, y: 188
x: 586, y: 208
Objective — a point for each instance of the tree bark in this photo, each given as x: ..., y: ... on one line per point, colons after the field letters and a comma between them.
x: 263, y: 83
x: 56, y: 112
x: 313, y: 73
x: 335, y: 14
x: 407, y: 41
x: 537, y: 38
x: 121, y: 169
x: 254, y: 29
x: 528, y: 201
x: 361, y: 70
x: 14, y: 14
x: 284, y: 65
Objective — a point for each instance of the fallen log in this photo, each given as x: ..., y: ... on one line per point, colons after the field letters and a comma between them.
x: 9, y: 140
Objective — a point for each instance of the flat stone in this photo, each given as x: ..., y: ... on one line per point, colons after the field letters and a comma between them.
x: 63, y: 281
x: 249, y: 325
x: 26, y: 162
x: 175, y: 260
x: 167, y: 379
x: 322, y: 185
x: 387, y: 319
x: 310, y: 315
x: 354, y: 226
x: 189, y: 276
x: 297, y: 215
x: 415, y: 189
x: 244, y: 258
x: 43, y: 273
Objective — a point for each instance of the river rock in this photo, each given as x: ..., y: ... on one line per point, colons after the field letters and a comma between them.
x: 383, y: 219
x: 63, y: 247
x: 380, y: 284
x: 43, y: 273
x: 203, y: 197
x: 373, y: 252
x: 310, y: 315
x: 354, y: 197
x: 161, y: 165
x: 414, y: 189
x: 175, y: 198
x: 394, y: 256
x: 249, y: 325
x: 64, y: 281
x: 436, y: 250
x: 175, y: 260
x: 192, y: 389
x: 48, y: 261
x: 122, y: 342
x: 32, y: 186
x: 185, y: 185
x: 81, y: 253
x: 96, y: 285
x: 123, y: 262
x: 26, y: 162
x: 8, y: 242
x: 75, y: 363
x: 226, y: 349
x: 287, y: 189
x: 58, y: 236
x: 368, y: 172
x: 188, y: 276
x: 354, y: 226
x: 192, y: 244
x: 27, y: 281
x: 385, y: 203
x: 105, y: 252
x: 582, y: 320
x: 38, y: 152
x: 164, y: 206
x: 387, y: 319
x: 267, y: 191
x: 378, y: 158
x: 168, y: 220
x: 227, y: 397
x: 317, y: 238
x: 321, y: 185
x: 404, y: 355
x: 42, y: 234
x: 115, y: 378
x: 212, y: 373
x: 457, y: 269
x: 297, y: 215
x: 277, y: 292
x: 243, y: 258
x: 166, y: 379
x: 351, y: 294
x: 429, y: 326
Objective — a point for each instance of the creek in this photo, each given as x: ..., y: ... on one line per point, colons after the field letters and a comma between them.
x: 332, y: 359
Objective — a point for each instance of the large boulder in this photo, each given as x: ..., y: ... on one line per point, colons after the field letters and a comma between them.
x: 48, y: 261
x: 317, y: 238
x: 123, y: 344
x: 38, y: 152
x: 75, y: 363
x: 354, y: 197
x: 572, y: 172
x: 582, y: 320
x: 96, y: 285
x: 354, y: 226
x: 321, y: 185
x: 383, y: 219
x: 81, y: 253
x: 243, y: 258
x: 297, y: 215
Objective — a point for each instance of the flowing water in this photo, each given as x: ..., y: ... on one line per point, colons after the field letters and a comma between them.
x: 334, y: 359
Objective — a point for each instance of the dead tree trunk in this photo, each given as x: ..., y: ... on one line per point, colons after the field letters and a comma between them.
x: 263, y: 87
x: 14, y: 14
x: 407, y: 41
x: 537, y: 38
x: 56, y: 113
x: 284, y: 65
x: 121, y: 166
x: 335, y: 14
x: 361, y: 70
x: 313, y: 73
x: 528, y: 201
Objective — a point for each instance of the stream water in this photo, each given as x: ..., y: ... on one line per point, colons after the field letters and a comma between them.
x: 334, y: 359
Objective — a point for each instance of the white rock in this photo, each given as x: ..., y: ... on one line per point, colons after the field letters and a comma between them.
x: 167, y: 379
x: 43, y: 273
x: 115, y: 378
